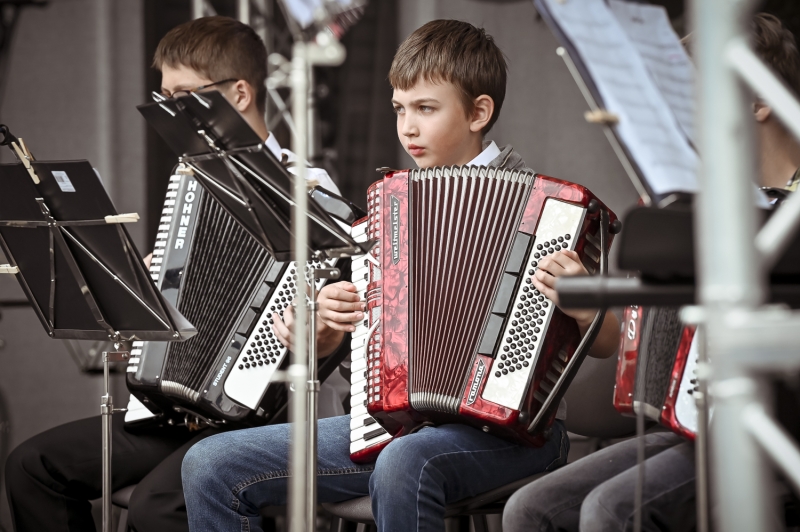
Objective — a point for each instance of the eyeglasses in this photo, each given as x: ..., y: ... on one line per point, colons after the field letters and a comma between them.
x: 187, y: 92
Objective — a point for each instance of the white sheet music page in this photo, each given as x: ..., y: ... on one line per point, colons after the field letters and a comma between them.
x: 647, y: 124
x: 649, y: 29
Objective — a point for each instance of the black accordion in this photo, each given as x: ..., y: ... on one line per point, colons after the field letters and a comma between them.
x: 226, y: 284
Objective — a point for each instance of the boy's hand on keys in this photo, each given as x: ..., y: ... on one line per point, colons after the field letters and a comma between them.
x: 339, y: 307
x: 564, y: 263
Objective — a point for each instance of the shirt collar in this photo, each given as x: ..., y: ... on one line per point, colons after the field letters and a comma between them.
x: 485, y: 157
x: 273, y: 146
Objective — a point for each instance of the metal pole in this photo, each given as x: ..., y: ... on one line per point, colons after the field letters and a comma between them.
x: 701, y: 440
x: 243, y: 11
x: 312, y: 392
x: 730, y: 279
x: 299, y: 454
x: 312, y: 115
x: 106, y: 411
x: 198, y: 9
x: 104, y: 102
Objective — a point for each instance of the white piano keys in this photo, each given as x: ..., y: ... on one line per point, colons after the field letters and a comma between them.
x: 359, y: 365
x: 358, y: 433
x: 358, y: 399
x: 358, y: 412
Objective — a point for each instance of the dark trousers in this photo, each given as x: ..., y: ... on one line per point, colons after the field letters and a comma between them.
x: 51, y: 477
x: 597, y: 492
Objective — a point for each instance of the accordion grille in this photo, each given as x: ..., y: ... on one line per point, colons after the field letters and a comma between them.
x: 225, y: 265
x: 659, y: 348
x: 462, y: 222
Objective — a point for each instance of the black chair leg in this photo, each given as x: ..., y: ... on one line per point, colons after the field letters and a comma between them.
x: 480, y: 523
x: 122, y: 524
x: 337, y: 524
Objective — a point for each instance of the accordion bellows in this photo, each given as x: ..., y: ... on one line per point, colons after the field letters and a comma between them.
x: 455, y: 330
x: 657, y: 368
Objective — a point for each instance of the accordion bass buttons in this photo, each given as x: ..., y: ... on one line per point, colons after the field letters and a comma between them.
x: 508, y: 384
x: 262, y: 353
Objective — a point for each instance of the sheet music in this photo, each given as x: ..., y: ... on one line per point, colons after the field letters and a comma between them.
x: 669, y: 65
x: 647, y: 125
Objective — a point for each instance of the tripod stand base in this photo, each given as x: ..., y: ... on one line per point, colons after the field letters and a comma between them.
x: 106, y: 411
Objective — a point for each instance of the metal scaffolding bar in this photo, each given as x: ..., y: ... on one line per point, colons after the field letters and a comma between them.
x: 775, y: 441
x: 243, y: 11
x: 745, y: 341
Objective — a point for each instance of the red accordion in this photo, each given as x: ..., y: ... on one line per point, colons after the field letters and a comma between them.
x: 656, y: 371
x: 455, y: 331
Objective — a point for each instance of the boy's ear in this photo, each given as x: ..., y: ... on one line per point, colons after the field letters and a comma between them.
x: 242, y: 95
x: 761, y: 111
x: 482, y: 112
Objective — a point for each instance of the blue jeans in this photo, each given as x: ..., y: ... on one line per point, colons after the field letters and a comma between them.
x: 228, y: 477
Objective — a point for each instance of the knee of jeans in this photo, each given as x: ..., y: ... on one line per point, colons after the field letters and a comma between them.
x: 597, y: 512
x: 523, y: 511
x: 197, y: 466
x: 399, y: 468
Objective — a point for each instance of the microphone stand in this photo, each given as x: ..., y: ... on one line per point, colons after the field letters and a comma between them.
x: 326, y: 50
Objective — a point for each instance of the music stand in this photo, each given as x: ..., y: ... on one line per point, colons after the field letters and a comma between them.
x: 78, y: 266
x: 234, y: 165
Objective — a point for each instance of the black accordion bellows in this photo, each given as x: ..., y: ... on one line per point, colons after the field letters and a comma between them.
x: 226, y: 265
x: 660, y: 338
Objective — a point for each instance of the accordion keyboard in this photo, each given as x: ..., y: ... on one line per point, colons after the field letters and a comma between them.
x: 156, y: 262
x: 366, y: 434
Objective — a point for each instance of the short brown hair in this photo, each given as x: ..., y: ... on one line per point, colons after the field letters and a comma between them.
x: 776, y: 46
x: 456, y: 52
x: 219, y: 48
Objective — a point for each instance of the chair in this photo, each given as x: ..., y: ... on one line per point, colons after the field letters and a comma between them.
x: 590, y: 414
x: 121, y: 498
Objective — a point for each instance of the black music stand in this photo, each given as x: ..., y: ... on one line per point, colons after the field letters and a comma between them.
x: 79, y: 268
x: 234, y: 165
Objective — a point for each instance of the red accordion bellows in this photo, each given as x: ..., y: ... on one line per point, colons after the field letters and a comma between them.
x: 656, y: 369
x: 455, y: 331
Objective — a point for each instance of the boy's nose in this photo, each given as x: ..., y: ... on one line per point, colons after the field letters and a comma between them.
x: 409, y: 129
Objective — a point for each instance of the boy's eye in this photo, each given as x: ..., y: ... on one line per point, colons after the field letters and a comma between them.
x: 425, y: 108
x: 398, y: 110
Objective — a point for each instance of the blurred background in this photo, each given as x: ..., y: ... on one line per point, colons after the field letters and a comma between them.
x: 73, y: 71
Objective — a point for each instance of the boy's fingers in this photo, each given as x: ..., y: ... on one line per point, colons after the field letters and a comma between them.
x: 345, y: 324
x: 548, y: 292
x: 544, y: 278
x: 550, y: 270
x: 342, y: 290
x: 341, y: 321
x: 340, y: 294
x: 337, y: 305
x: 562, y: 259
x: 288, y: 317
x: 282, y: 332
